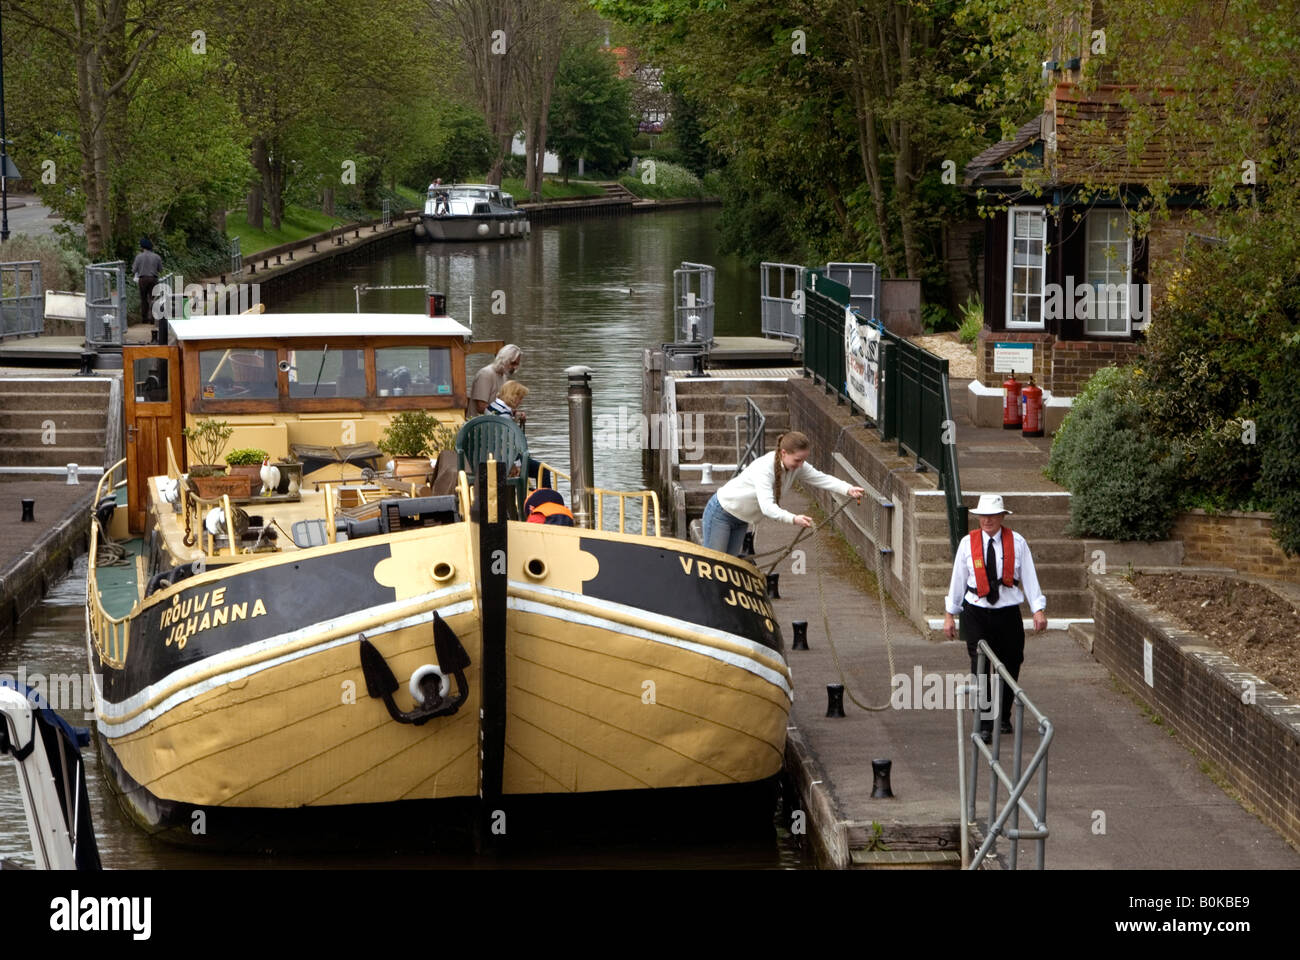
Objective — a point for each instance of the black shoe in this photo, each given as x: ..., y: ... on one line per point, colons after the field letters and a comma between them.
x: 986, y: 732
x: 1006, y: 727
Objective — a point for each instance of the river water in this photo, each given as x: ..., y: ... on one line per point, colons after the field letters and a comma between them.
x: 593, y: 292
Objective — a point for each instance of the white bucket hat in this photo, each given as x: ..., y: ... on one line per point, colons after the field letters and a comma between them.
x: 989, y: 505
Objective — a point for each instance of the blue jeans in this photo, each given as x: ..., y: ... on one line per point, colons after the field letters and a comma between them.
x: 722, y: 531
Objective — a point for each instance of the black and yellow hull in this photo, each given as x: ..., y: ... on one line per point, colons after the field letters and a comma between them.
x: 625, y: 664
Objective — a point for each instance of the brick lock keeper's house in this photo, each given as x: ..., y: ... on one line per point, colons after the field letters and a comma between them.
x: 1063, y: 268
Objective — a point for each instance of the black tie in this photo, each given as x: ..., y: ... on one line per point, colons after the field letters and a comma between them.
x: 991, y: 568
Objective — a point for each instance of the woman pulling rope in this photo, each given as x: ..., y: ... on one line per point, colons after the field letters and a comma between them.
x: 756, y: 492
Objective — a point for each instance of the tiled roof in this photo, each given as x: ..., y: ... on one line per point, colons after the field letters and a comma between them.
x: 993, y: 158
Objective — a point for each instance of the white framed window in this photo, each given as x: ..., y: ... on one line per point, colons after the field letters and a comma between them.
x: 1026, y: 267
x: 1109, y: 266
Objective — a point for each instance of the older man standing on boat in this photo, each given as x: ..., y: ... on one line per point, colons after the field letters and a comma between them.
x: 487, y: 383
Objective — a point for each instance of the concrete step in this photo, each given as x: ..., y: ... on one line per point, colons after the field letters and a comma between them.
x: 63, y: 419
x: 1045, y: 552
x: 54, y: 455
x: 1033, y: 527
x: 862, y: 859
x: 722, y: 403
x: 53, y: 385
x: 1083, y: 634
x: 45, y: 401
x: 1035, y: 504
x: 79, y: 436
x: 1060, y: 603
x: 1051, y: 576
x: 714, y: 419
x: 730, y: 385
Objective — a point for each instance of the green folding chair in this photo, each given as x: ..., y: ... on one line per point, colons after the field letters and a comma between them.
x: 500, y: 437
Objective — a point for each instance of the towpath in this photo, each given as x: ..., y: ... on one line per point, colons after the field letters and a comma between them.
x: 1108, y: 760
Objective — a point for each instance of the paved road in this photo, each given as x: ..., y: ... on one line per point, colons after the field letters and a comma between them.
x: 33, y: 218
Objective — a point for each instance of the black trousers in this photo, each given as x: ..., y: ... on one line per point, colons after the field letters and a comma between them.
x: 146, y: 307
x: 1004, y: 632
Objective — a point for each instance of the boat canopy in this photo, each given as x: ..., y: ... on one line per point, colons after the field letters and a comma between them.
x: 316, y: 325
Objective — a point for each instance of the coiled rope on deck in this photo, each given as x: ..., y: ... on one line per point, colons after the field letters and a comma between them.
x: 108, y: 553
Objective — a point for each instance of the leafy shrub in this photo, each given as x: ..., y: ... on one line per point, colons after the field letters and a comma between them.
x: 1122, y: 478
x: 1279, y: 435
x: 245, y: 456
x: 62, y: 267
x: 416, y: 433
x: 670, y: 181
x: 972, y: 319
x: 936, y: 318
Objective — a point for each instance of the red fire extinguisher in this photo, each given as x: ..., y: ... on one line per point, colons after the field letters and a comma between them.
x: 1011, y: 403
x: 1033, y: 420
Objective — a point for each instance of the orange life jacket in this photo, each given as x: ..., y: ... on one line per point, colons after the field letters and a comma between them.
x: 977, y: 560
x: 544, y: 511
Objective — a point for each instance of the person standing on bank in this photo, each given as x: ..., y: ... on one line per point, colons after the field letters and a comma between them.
x: 145, y: 268
x: 487, y: 383
x: 989, y: 602
x: 757, y: 490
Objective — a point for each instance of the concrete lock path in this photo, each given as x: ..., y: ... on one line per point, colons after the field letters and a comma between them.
x: 1107, y: 758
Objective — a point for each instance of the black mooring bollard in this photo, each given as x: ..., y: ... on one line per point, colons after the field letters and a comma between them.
x: 800, y: 635
x: 880, y: 788
x: 834, y: 699
x: 29, y: 510
x: 747, y: 545
x: 774, y: 586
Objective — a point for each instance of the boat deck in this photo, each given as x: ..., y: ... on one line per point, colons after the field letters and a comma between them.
x: 119, y: 584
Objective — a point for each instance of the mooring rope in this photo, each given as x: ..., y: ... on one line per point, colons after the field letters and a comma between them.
x: 108, y: 553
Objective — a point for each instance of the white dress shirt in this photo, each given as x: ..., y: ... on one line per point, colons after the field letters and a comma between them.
x: 749, y: 495
x: 963, y: 577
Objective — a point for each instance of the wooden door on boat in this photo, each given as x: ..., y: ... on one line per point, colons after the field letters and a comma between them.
x: 153, y: 415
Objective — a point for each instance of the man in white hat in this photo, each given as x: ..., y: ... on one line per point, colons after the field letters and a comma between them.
x: 992, y: 574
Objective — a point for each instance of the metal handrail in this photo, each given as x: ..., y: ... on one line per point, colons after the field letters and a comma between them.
x: 111, y: 635
x: 646, y: 499
x: 755, y: 431
x: 1016, y: 782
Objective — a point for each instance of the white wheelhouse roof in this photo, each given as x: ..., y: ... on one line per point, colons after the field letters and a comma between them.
x: 316, y: 325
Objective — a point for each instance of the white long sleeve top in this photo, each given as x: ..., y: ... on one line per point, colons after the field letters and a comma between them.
x: 963, y: 586
x: 750, y: 495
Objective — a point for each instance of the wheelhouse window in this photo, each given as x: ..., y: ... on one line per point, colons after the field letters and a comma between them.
x: 1026, y: 266
x: 327, y: 373
x: 1110, y: 256
x: 238, y: 374
x: 413, y: 371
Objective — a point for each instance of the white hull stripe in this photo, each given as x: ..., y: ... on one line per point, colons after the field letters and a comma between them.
x: 758, y: 649
x: 726, y: 656
x: 108, y: 711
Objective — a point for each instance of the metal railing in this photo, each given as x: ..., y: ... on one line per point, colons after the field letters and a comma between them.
x: 236, y: 257
x: 647, y: 500
x: 693, y: 302
x: 105, y: 305
x: 749, y: 442
x: 780, y: 311
x: 111, y: 635
x: 914, y: 407
x: 22, y: 313
x: 863, y: 283
x: 1005, y: 821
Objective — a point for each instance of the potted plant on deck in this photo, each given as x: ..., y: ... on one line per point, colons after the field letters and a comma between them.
x: 246, y: 462
x: 412, y: 438
x: 205, y: 441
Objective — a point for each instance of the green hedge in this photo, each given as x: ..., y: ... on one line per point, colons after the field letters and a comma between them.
x: 1278, y: 430
x: 1122, y: 478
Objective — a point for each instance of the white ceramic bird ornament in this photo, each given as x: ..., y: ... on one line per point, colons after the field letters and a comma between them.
x: 270, y: 477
